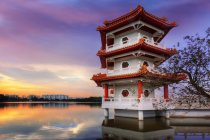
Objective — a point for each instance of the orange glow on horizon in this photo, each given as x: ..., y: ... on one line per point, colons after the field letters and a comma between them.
x: 23, y: 89
x: 71, y: 81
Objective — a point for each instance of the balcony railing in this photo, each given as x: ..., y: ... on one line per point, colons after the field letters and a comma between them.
x: 116, y: 46
x: 135, y: 103
x: 152, y: 104
x: 130, y: 69
x: 158, y: 45
x: 133, y: 41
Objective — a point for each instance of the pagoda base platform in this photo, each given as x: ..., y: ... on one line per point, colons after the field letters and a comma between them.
x: 156, y: 129
x: 140, y: 114
x: 175, y: 113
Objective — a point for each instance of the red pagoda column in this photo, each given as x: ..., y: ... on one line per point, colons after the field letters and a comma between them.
x: 106, y: 91
x: 165, y: 91
x: 140, y: 88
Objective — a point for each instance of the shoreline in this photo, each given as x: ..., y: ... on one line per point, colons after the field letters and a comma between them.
x: 49, y: 102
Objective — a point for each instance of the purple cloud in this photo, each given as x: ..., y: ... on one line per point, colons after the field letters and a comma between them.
x: 63, y: 32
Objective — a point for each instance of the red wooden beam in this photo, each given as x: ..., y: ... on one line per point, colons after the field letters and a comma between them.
x: 165, y: 91
x: 140, y: 88
x: 106, y: 91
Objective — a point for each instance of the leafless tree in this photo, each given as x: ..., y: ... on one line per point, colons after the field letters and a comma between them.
x: 193, y: 59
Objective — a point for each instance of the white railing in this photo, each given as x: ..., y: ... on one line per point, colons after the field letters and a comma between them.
x: 120, y: 103
x: 116, y: 46
x: 130, y: 69
x: 158, y: 45
x: 134, y: 103
x: 133, y: 41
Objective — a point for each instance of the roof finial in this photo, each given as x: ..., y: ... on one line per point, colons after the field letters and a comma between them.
x: 131, y: 8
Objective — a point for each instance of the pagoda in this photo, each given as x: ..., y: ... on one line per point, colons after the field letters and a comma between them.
x: 130, y: 53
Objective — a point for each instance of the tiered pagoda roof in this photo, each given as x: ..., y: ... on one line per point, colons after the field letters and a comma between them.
x: 141, y: 45
x: 166, y: 77
x: 138, y: 14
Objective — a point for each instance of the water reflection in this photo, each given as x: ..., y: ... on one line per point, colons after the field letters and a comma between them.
x: 132, y: 129
x: 50, y: 121
x: 156, y: 129
x: 86, y: 122
x: 47, y: 104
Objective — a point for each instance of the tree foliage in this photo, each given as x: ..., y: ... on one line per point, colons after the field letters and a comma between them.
x: 193, y: 59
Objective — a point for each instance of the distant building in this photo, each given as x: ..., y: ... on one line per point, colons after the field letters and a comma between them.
x: 32, y: 97
x: 12, y: 96
x: 55, y: 97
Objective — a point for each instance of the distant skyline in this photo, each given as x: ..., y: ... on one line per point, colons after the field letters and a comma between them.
x: 49, y: 46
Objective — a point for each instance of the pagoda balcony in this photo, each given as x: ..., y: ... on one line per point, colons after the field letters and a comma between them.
x: 116, y: 46
x: 169, y: 77
x: 131, y: 42
x: 142, y: 44
x: 155, y: 44
x: 131, y: 69
x: 153, y: 103
x: 135, y: 103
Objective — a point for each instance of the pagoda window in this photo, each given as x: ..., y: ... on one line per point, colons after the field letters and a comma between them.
x: 146, y: 93
x: 125, y: 64
x: 125, y: 40
x: 110, y: 42
x: 125, y: 93
x: 110, y: 65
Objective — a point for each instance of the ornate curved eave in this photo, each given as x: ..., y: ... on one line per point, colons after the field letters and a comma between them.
x: 138, y: 13
x: 167, y: 77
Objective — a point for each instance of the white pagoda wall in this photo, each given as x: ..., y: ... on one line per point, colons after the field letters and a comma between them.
x: 131, y: 87
x: 133, y: 38
x: 134, y: 66
x: 148, y: 35
x: 120, y: 88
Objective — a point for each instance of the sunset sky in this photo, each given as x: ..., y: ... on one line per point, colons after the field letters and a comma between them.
x: 49, y: 46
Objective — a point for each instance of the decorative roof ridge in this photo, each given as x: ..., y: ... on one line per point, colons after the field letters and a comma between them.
x: 120, y: 19
x: 175, y: 77
x: 163, y: 19
x: 139, y: 73
x: 130, y: 15
x: 137, y: 10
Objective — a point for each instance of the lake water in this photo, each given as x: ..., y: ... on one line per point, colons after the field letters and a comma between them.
x: 86, y: 122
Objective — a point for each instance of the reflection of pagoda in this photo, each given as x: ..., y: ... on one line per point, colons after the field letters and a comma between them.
x: 121, y: 128
x: 132, y: 129
x: 130, y: 53
x: 191, y: 128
